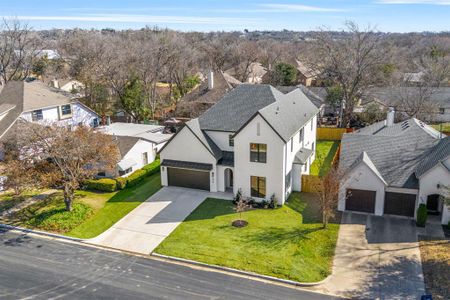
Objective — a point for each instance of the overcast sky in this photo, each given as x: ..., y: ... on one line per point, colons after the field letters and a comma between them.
x: 207, y: 15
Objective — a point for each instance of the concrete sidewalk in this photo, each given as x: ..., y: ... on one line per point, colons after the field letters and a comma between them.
x: 376, y: 258
x: 144, y: 228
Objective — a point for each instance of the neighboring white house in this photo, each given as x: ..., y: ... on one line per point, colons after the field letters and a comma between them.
x: 36, y: 102
x: 392, y: 168
x: 138, y: 145
x: 255, y: 139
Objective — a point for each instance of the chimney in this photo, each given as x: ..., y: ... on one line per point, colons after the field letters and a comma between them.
x: 390, y: 117
x: 210, y: 80
x: 55, y: 83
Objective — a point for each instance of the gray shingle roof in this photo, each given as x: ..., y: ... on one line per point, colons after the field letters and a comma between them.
x: 227, y: 158
x: 237, y: 107
x: 301, y: 157
x: 286, y: 113
x: 289, y: 114
x: 395, y: 151
x: 438, y: 154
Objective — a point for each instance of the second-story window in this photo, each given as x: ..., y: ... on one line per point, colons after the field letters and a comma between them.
x: 300, y: 138
x: 66, y: 111
x: 258, y: 153
x: 36, y: 115
x: 230, y: 140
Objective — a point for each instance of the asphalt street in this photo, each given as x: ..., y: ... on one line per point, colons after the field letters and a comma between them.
x: 38, y: 268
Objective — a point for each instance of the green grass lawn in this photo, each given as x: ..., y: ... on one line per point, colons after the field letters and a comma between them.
x: 288, y: 242
x: 325, y: 151
x: 9, y: 200
x: 444, y: 127
x: 92, y: 212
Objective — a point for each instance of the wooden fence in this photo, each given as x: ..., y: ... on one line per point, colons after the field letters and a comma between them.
x: 310, y: 183
x: 331, y: 133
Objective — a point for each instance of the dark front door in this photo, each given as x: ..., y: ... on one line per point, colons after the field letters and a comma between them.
x: 433, y: 203
x: 188, y: 178
x: 399, y: 204
x: 360, y: 200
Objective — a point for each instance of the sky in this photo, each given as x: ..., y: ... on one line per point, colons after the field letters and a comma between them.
x: 228, y: 15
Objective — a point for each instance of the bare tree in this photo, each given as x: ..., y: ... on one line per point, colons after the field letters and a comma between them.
x: 327, y: 188
x: 240, y: 207
x: 353, y: 62
x: 61, y: 156
x: 18, y: 50
x: 243, y: 55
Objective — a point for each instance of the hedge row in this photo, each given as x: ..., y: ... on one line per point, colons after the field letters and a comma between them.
x: 120, y: 183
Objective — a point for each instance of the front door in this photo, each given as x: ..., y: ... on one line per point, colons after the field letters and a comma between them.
x: 433, y: 203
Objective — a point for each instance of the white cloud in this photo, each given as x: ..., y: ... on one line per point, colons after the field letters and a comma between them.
x: 274, y: 7
x: 131, y: 18
x: 431, y: 2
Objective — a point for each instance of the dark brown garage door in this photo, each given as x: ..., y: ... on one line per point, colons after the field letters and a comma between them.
x: 399, y: 204
x: 360, y: 200
x: 188, y: 178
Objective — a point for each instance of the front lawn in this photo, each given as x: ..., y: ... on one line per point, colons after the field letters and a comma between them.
x: 93, y: 212
x: 287, y: 242
x: 325, y: 151
x: 436, y: 267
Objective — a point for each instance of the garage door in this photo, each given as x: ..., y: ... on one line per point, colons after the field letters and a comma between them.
x: 399, y: 204
x: 188, y: 178
x: 360, y: 200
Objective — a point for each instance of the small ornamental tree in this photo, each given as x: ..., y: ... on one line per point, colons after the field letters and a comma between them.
x: 240, y: 207
x: 327, y: 188
x: 58, y: 156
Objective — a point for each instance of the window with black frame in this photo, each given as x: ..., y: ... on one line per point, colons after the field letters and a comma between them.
x: 258, y: 153
x: 36, y: 115
x: 258, y: 186
x: 66, y: 110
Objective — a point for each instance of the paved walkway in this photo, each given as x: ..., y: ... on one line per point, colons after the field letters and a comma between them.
x: 144, y: 228
x: 376, y: 258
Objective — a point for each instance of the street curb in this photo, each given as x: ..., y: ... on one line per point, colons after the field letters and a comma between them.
x: 44, y: 233
x: 240, y: 272
x: 169, y: 258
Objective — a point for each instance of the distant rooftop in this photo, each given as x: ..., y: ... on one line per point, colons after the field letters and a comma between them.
x: 152, y: 133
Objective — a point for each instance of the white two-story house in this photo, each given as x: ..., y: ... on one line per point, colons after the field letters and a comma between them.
x: 255, y: 139
x: 36, y: 102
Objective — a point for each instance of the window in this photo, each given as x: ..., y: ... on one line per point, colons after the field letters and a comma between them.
x: 145, y: 158
x: 288, y: 181
x: 230, y: 140
x: 37, y: 115
x: 292, y: 144
x: 95, y: 123
x: 101, y: 174
x: 121, y: 173
x: 258, y: 186
x: 300, y: 138
x: 258, y: 153
x: 442, y: 111
x: 66, y: 110
x: 313, y: 147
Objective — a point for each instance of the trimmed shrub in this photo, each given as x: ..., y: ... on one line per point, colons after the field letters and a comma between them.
x: 136, y: 177
x: 422, y: 215
x: 273, y: 202
x: 121, y: 183
x: 103, y: 184
x: 152, y: 168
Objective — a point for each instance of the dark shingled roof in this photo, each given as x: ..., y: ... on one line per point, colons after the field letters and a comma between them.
x: 395, y: 151
x: 238, y: 106
x: 204, y: 138
x: 437, y: 155
x: 227, y: 159
x: 286, y: 113
x: 186, y: 165
x: 11, y: 96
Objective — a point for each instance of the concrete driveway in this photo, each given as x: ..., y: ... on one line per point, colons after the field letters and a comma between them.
x: 376, y: 258
x: 144, y: 228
